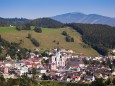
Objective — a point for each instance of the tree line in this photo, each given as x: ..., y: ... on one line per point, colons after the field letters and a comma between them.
x: 28, y: 27
x: 25, y: 81
x: 13, y: 21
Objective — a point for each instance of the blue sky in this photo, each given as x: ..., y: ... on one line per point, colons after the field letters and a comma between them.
x: 45, y: 8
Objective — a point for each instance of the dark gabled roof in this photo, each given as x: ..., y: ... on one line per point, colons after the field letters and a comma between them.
x: 74, y: 62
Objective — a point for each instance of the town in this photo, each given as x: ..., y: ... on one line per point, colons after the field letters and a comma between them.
x: 60, y: 65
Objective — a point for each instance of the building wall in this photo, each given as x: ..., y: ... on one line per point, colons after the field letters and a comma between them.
x: 5, y: 70
x: 57, y: 61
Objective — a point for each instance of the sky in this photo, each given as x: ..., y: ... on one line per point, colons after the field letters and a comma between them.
x: 32, y: 9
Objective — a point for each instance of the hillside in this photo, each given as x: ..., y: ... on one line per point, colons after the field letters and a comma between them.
x: 41, y: 22
x: 12, y: 21
x: 77, y: 17
x: 100, y: 37
x: 46, y: 22
x: 46, y: 39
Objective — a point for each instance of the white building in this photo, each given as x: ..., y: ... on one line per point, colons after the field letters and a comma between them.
x: 113, y: 50
x: 58, y: 61
x: 41, y: 70
x: 22, y: 70
x: 9, y: 76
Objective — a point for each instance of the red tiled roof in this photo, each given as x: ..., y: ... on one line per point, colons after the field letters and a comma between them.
x: 88, y: 77
x: 27, y: 63
x: 35, y: 60
x: 76, y: 67
x: 73, y: 77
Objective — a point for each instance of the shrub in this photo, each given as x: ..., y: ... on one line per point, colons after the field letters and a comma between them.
x: 38, y: 29
x: 64, y: 33
x: 35, y: 42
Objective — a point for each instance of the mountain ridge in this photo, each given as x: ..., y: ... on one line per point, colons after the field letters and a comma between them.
x: 76, y: 17
x: 73, y: 17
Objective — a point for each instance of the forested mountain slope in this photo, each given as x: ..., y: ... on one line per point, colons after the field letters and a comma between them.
x: 100, y: 37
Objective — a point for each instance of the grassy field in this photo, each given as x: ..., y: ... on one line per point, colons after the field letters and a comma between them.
x: 46, y: 39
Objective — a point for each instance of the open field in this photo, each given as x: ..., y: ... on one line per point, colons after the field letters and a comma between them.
x: 46, y: 39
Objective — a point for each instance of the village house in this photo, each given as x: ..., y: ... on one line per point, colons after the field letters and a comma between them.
x: 89, y: 78
x: 8, y: 57
x: 61, y: 66
x: 75, y: 63
x: 20, y: 68
x: 36, y: 63
x: 76, y: 78
x: 23, y: 69
x: 28, y: 63
x: 113, y: 50
x: 6, y: 76
x: 41, y: 70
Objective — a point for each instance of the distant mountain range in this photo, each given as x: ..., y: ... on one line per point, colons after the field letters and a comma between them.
x: 76, y: 17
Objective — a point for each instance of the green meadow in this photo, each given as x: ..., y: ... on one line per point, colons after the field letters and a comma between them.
x: 49, y: 38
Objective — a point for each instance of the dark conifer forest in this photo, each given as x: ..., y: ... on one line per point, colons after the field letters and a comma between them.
x: 100, y: 37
